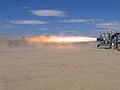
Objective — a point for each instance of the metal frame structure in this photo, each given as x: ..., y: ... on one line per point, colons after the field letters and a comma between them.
x: 109, y: 40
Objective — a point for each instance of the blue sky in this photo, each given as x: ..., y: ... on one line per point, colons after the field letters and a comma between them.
x: 68, y: 17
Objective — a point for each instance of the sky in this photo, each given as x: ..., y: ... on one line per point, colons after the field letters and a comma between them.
x: 59, y: 17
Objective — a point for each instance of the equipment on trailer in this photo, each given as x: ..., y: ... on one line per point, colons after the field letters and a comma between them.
x: 109, y: 40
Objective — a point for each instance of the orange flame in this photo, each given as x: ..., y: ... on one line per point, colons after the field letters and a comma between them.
x: 59, y: 39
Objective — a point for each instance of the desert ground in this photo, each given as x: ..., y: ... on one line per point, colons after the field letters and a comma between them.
x: 82, y: 67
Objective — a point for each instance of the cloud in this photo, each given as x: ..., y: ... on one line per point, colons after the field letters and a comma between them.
x: 56, y: 13
x: 86, y: 21
x: 28, y: 22
x: 8, y: 26
x: 26, y: 7
x: 109, y: 25
x: 43, y: 29
x: 69, y: 33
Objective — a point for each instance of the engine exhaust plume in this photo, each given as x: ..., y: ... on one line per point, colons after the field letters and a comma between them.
x: 59, y: 39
